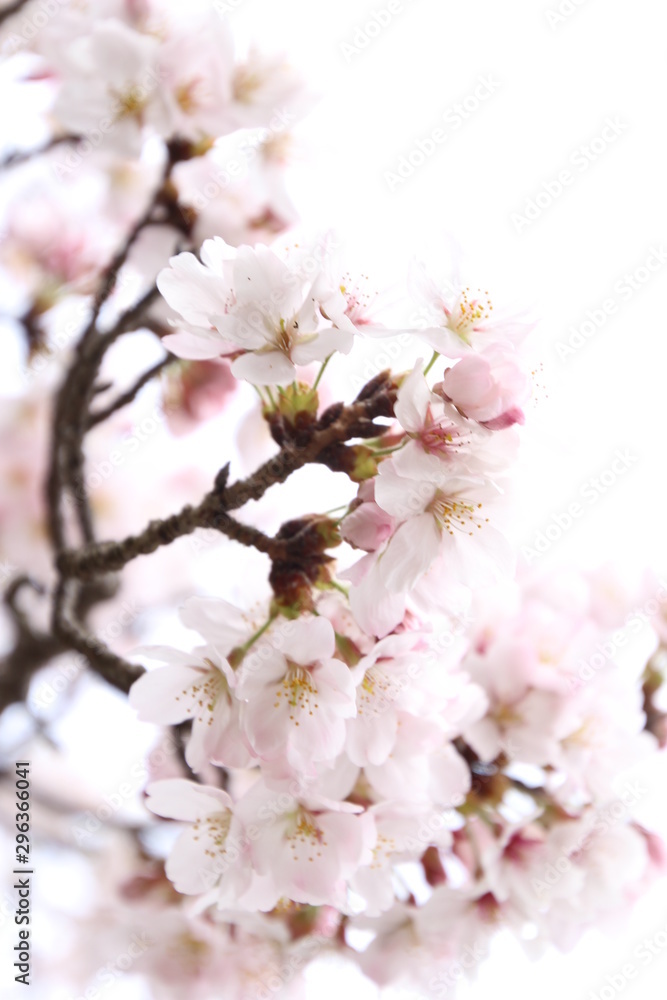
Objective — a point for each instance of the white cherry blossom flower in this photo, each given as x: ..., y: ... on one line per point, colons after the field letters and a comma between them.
x: 297, y: 697
x: 460, y: 320
x: 446, y: 517
x: 112, y: 82
x: 198, y: 686
x: 304, y: 849
x: 252, y: 303
x: 212, y: 852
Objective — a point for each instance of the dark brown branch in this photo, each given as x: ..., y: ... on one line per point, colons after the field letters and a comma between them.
x: 110, y: 276
x: 354, y: 420
x: 245, y: 534
x: 32, y: 648
x: 75, y: 395
x: 65, y: 626
x: 132, y: 318
x: 130, y: 395
x: 113, y: 668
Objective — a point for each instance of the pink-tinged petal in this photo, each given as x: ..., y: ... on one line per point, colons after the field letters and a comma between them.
x: 163, y: 695
x: 450, y: 777
x: 194, y: 346
x: 335, y: 681
x: 229, y: 746
x: 484, y: 737
x: 376, y: 610
x: 412, y: 462
x: 266, y: 722
x: 354, y: 837
x: 262, y: 665
x: 488, y: 387
x: 208, y: 733
x: 359, y: 570
x: 413, y: 399
x: 410, y: 552
x: 507, y: 419
x: 247, y: 331
x: 319, y: 737
x: 262, y: 894
x: 312, y: 639
x: 197, y: 861
x: 400, y: 496
x: 166, y: 654
x: 367, y: 527
x: 271, y: 368
x: 176, y: 798
x: 310, y: 879
x: 404, y: 778
x: 196, y: 756
x: 421, y: 285
x: 370, y: 741
x: 446, y: 342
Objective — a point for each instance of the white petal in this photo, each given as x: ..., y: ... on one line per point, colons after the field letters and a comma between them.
x: 176, y: 798
x: 410, y: 552
x: 192, y: 289
x: 162, y: 696
x: 218, y: 621
x: 313, y: 639
x: 194, y: 346
x: 400, y: 496
x: 413, y: 399
x: 322, y: 345
x: 270, y: 368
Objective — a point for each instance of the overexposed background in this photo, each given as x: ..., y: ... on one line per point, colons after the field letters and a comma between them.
x: 591, y: 265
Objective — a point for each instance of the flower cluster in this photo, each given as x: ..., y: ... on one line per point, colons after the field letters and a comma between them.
x: 389, y: 755
x: 425, y: 788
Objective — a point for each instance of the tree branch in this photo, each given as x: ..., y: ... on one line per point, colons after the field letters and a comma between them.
x: 113, y: 668
x: 73, y: 399
x: 127, y: 397
x: 352, y: 421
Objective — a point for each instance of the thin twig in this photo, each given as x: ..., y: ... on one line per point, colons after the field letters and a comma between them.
x: 114, y: 669
x: 130, y: 394
x: 73, y: 400
x: 110, y: 275
x: 212, y: 512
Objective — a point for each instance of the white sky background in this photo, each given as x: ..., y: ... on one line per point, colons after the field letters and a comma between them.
x: 557, y: 84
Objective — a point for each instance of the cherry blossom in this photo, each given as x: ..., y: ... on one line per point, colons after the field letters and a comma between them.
x: 441, y: 518
x: 112, y: 80
x: 248, y: 300
x: 304, y: 849
x: 460, y: 320
x: 488, y: 387
x: 298, y: 697
x: 369, y: 736
x: 210, y: 852
x: 199, y: 686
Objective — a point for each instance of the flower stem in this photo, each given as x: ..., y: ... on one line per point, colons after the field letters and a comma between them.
x: 390, y: 451
x: 321, y: 372
x: 434, y: 358
x: 242, y: 650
